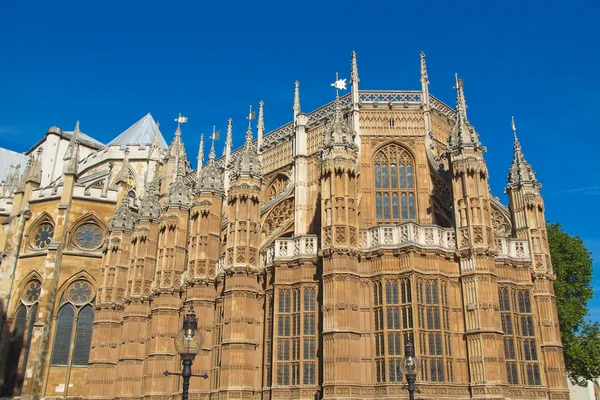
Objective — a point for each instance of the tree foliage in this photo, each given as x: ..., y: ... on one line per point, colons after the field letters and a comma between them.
x: 581, y: 337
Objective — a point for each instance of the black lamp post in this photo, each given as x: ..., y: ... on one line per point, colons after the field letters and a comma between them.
x: 188, y: 343
x: 410, y: 367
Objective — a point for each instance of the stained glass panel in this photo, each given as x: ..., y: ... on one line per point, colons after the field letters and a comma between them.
x: 88, y: 236
x: 62, y: 340
x: 378, y: 206
x: 386, y: 206
x: 395, y: 208
x: 404, y: 207
x: 411, y: 206
x: 402, y: 176
x: 409, y: 176
x: 377, y: 176
x: 83, y: 336
x: 384, y: 177
x: 393, y: 176
x: 43, y: 236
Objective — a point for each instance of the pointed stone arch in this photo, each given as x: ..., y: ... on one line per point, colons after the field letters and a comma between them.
x: 21, y: 288
x: 40, y: 233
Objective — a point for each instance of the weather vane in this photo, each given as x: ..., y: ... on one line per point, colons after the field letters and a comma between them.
x: 215, y: 134
x: 250, y: 117
x: 180, y: 120
x: 339, y: 84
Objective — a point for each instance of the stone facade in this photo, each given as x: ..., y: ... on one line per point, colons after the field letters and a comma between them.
x: 310, y: 255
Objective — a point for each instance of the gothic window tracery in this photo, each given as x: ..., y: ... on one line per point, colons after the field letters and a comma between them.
x: 277, y: 186
x: 520, y: 345
x: 433, y: 315
x: 393, y: 327
x: 88, y: 236
x: 22, y: 331
x: 499, y: 223
x: 394, y: 185
x: 73, y: 329
x: 42, y: 236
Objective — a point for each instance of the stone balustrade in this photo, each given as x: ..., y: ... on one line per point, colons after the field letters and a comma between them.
x: 291, y: 248
x: 512, y: 248
x: 408, y: 234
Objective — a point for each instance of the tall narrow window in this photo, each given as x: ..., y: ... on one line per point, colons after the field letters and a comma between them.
x: 394, y: 185
x: 309, y: 337
x: 22, y: 332
x: 74, y: 325
x: 520, y: 344
x: 288, y: 341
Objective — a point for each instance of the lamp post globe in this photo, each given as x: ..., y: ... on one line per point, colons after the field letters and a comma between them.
x: 410, y: 368
x: 188, y: 343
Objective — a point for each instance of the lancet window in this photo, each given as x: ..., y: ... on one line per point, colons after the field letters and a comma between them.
x: 73, y: 329
x: 217, y: 339
x: 394, y: 178
x: 21, y: 336
x: 296, y: 336
x: 433, y: 315
x: 392, y: 299
x: 520, y: 345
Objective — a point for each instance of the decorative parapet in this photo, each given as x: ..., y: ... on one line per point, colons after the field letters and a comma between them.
x: 408, y: 234
x: 269, y: 256
x: 398, y: 97
x: 293, y: 248
x: 511, y: 248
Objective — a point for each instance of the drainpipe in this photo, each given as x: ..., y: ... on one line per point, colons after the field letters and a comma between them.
x: 25, y: 216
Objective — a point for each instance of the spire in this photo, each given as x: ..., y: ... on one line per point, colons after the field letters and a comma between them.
x: 247, y: 161
x: 149, y: 206
x: 354, y: 70
x: 463, y: 134
x: 71, y: 157
x: 520, y: 172
x: 228, y: 142
x: 178, y: 194
x: 123, y: 219
x: 261, y: 125
x: 123, y: 175
x: 424, y: 80
x: 296, y: 107
x: 209, y: 179
x: 200, y: 155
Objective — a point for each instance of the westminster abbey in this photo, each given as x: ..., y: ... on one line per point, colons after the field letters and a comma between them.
x: 311, y: 255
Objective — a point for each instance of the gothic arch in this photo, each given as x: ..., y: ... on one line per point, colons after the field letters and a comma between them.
x: 276, y: 185
x: 40, y: 233
x: 394, y: 181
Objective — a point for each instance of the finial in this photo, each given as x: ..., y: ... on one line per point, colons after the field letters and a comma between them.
x: 261, y: 115
x: 214, y: 136
x: 461, y: 105
x: 76, y: 127
x: 250, y: 117
x: 180, y: 120
x: 354, y: 70
x: 424, y: 76
x: 339, y: 84
x: 514, y: 128
x: 296, y: 106
x: 201, y: 152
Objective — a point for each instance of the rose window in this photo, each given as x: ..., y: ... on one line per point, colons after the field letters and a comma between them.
x: 80, y: 292
x: 88, y: 236
x: 32, y: 292
x: 43, y: 236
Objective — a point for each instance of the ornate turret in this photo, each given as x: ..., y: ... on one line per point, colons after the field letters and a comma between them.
x: 424, y: 81
x: 227, y: 155
x: 150, y: 208
x: 200, y: 155
x: 463, y: 135
x: 178, y: 193
x: 123, y: 219
x: 176, y: 161
x: 339, y: 150
x: 520, y: 172
x: 247, y: 162
x: 209, y: 179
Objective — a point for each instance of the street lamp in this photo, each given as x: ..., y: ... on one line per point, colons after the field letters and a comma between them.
x: 188, y: 343
x: 410, y: 367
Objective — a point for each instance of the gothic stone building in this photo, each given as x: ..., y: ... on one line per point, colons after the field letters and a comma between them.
x: 311, y: 255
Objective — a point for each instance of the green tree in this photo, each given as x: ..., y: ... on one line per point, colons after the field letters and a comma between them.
x: 581, y: 337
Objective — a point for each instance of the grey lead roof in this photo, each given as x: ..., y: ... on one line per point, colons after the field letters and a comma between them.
x: 8, y: 158
x: 141, y: 133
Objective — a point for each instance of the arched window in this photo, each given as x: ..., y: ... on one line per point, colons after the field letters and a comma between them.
x: 394, y: 185
x: 74, y: 325
x: 24, y: 321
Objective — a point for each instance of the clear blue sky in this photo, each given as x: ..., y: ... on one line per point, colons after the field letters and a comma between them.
x: 108, y: 63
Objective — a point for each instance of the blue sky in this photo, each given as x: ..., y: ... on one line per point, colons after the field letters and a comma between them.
x: 108, y: 63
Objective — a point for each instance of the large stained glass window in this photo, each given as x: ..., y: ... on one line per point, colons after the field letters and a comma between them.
x: 394, y: 185
x: 74, y: 325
